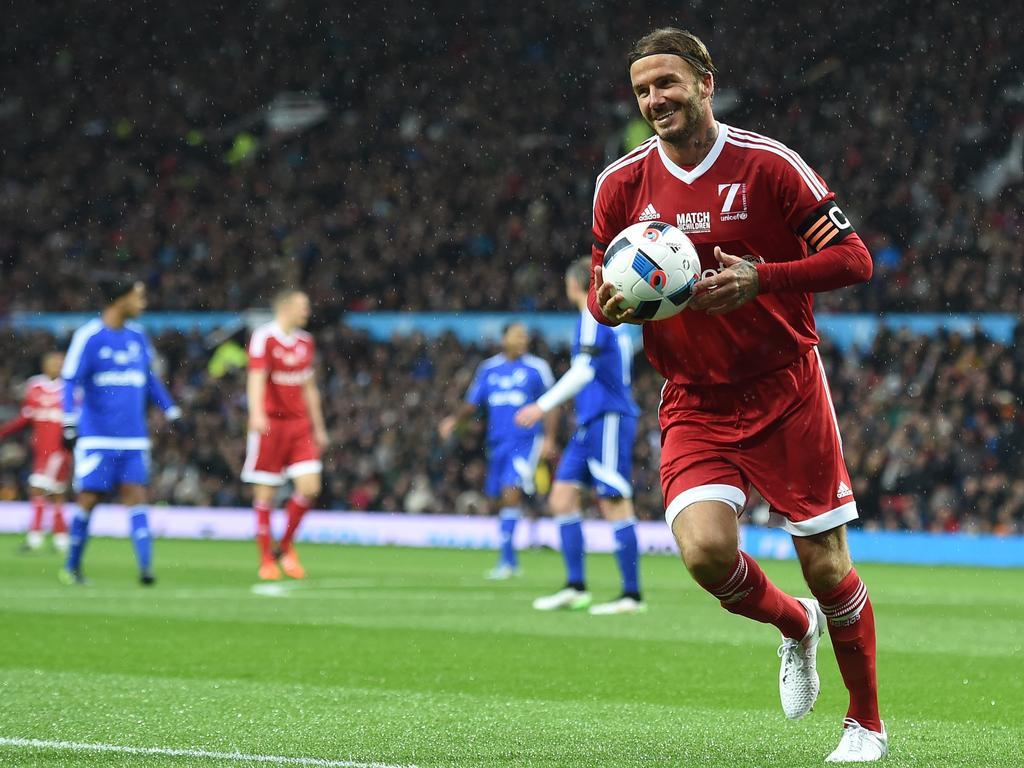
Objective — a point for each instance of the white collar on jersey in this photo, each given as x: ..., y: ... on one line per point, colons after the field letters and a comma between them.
x: 689, y: 177
x: 288, y: 339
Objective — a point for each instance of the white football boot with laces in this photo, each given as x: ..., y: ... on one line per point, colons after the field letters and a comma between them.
x: 624, y: 604
x: 859, y: 745
x: 798, y: 675
x: 502, y: 572
x: 567, y: 599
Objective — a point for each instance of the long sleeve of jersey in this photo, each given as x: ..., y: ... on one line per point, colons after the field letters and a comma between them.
x: 74, y: 372
x: 155, y: 389
x: 580, y: 373
x: 837, y: 266
x: 14, y: 425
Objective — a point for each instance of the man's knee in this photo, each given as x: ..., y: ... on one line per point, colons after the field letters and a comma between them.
x: 708, y: 540
x: 308, y: 486
x: 824, y: 559
x: 564, y: 499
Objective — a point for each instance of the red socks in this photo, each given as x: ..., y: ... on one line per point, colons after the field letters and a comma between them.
x: 851, y: 623
x: 38, y: 506
x: 59, y: 525
x: 263, y: 530
x: 297, y: 507
x: 748, y: 592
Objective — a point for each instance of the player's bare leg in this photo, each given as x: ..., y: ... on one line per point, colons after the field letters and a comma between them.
x: 564, y: 503
x: 829, y: 572
x: 307, y: 489
x: 708, y: 536
x: 262, y: 501
x: 619, y: 512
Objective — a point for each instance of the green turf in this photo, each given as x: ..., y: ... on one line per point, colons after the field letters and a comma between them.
x: 408, y: 657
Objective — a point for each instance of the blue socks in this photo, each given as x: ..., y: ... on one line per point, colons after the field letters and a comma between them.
x: 509, y: 517
x: 141, y: 539
x: 79, y: 536
x: 570, y: 528
x: 627, y: 556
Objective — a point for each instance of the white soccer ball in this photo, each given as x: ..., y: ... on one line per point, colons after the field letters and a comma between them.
x: 654, y: 266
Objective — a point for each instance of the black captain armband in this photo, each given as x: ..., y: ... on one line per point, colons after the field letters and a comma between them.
x: 826, y: 225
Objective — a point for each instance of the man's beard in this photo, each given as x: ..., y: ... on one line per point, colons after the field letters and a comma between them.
x: 692, y: 112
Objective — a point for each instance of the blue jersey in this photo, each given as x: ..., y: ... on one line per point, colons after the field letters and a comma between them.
x: 610, y: 353
x: 110, y: 370
x: 503, y: 386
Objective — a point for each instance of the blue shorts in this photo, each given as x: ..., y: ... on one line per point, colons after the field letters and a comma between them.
x: 600, y: 454
x: 512, y: 464
x: 101, y: 470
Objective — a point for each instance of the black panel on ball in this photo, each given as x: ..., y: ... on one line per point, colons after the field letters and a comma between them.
x: 645, y: 310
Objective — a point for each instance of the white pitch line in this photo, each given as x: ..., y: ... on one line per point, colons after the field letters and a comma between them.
x: 74, y: 746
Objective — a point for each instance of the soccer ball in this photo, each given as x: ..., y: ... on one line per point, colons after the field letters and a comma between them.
x: 654, y: 266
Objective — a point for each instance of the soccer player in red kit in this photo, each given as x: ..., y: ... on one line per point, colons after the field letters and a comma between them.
x: 286, y: 427
x: 745, y: 403
x: 42, y: 410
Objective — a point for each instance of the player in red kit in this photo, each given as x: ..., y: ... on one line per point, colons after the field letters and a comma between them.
x: 286, y: 427
x: 42, y: 410
x: 745, y: 403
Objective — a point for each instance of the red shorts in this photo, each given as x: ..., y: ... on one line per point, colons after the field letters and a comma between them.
x: 287, y: 450
x: 778, y: 434
x: 50, y: 470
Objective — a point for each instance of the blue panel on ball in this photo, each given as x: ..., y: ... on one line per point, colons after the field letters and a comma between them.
x: 643, y: 265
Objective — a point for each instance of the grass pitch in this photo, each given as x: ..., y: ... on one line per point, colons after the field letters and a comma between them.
x: 396, y: 657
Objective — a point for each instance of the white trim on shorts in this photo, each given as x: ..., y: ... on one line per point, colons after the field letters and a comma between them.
x: 303, y: 468
x: 606, y: 471
x: 818, y: 524
x: 526, y: 467
x: 727, y: 494
x: 45, y: 483
x: 249, y: 473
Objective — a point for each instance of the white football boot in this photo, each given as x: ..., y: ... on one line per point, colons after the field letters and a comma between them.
x: 568, y: 599
x: 502, y: 572
x: 859, y: 745
x: 624, y: 604
x: 798, y: 675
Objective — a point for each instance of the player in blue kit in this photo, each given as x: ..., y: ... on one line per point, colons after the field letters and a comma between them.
x: 502, y: 385
x: 108, y: 383
x: 599, y: 455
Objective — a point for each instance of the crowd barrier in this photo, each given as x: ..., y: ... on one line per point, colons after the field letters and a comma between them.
x: 457, y: 532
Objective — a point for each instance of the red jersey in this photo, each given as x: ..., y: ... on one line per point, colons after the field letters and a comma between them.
x: 43, y: 409
x: 754, y: 197
x: 288, y: 361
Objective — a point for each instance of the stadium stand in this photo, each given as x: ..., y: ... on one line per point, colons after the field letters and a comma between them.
x: 459, y: 177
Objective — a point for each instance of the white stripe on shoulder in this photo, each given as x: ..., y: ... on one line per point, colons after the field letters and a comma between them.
x: 493, y: 361
x: 540, y: 365
x: 588, y: 329
x: 258, y: 340
x: 637, y: 154
x: 756, y: 141
x: 79, y: 339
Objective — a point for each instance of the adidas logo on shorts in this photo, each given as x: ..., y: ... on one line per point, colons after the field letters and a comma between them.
x: 844, y: 491
x: 649, y: 214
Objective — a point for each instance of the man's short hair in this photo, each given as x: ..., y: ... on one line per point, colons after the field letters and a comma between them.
x: 676, y: 42
x: 580, y: 272
x: 283, y: 296
x: 113, y: 288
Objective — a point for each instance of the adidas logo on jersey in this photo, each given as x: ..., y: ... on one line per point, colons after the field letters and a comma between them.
x: 844, y: 491
x: 650, y: 213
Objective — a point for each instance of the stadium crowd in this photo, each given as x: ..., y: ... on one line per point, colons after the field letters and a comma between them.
x: 933, y: 427
x: 466, y: 140
x: 453, y: 170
